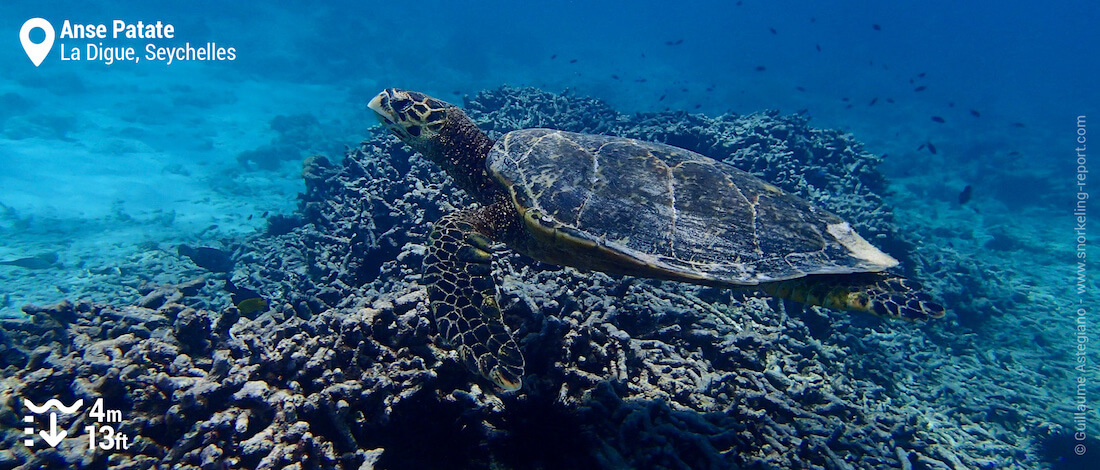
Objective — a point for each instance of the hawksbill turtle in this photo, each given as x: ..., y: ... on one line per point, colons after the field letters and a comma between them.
x: 627, y: 207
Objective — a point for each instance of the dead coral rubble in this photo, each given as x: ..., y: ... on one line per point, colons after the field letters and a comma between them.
x: 343, y: 370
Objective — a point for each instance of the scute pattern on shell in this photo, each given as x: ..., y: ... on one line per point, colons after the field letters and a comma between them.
x: 670, y: 207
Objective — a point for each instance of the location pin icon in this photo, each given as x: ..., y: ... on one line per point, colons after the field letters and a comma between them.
x: 37, y: 52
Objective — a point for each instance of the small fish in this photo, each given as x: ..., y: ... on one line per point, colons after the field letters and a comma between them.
x: 920, y: 88
x: 873, y: 101
x: 975, y: 113
x: 890, y: 100
x: 456, y: 93
x: 674, y: 43
x: 1018, y: 124
x: 932, y: 148
x: 42, y: 261
x: 921, y: 75
x: 761, y: 68
x: 803, y: 111
x: 252, y: 305
x: 922, y: 146
x: 249, y: 217
x: 698, y: 106
x: 662, y: 98
x: 246, y: 300
x: 965, y: 195
x: 552, y: 57
x: 264, y: 216
x: 640, y: 80
x: 938, y: 119
x: 572, y: 61
x: 772, y: 30
x: 844, y: 99
x: 615, y: 77
x: 799, y: 88
x: 877, y: 27
x: 710, y: 88
x: 818, y: 46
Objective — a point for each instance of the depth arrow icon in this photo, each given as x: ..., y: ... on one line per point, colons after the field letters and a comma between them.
x: 54, y: 437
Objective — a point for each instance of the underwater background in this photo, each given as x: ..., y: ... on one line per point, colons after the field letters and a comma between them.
x: 161, y: 201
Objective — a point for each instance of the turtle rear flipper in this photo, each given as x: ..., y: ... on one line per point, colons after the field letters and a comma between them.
x: 463, y: 296
x: 882, y: 294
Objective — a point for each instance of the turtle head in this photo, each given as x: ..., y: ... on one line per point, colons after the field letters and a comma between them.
x: 442, y: 132
x: 413, y: 117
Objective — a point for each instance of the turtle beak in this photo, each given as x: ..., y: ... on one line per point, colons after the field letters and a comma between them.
x: 381, y: 107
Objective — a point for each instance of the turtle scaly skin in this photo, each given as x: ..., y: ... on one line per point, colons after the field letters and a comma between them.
x: 463, y: 294
x: 627, y: 207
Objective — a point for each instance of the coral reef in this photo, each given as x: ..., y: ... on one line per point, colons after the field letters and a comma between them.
x: 342, y: 371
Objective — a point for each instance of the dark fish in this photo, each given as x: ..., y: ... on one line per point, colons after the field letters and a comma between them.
x: 662, y: 98
x: 873, y: 101
x: 803, y: 111
x: 246, y: 300
x: 710, y: 88
x: 877, y: 27
x: 772, y: 30
x: 965, y: 195
x: 938, y: 119
x: 249, y: 217
x: 799, y: 88
x: 684, y: 90
x: 932, y: 148
x: 572, y: 61
x: 761, y: 68
x: 975, y: 113
x: 818, y: 46
x: 552, y: 57
x: 890, y: 100
x: 950, y: 104
x: 844, y: 99
x: 921, y: 75
x: 264, y: 216
x: 640, y: 80
x: 1018, y: 124
x: 920, y: 88
x: 922, y: 146
x: 210, y: 259
x: 698, y: 106
x: 42, y: 261
x: 456, y: 93
x: 674, y: 43
x: 616, y: 77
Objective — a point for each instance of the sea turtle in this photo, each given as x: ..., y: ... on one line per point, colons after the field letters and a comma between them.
x: 627, y: 207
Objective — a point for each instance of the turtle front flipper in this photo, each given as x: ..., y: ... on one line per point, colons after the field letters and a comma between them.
x: 882, y: 294
x: 463, y: 296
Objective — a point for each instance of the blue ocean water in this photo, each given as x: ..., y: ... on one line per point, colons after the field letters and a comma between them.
x: 105, y: 169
